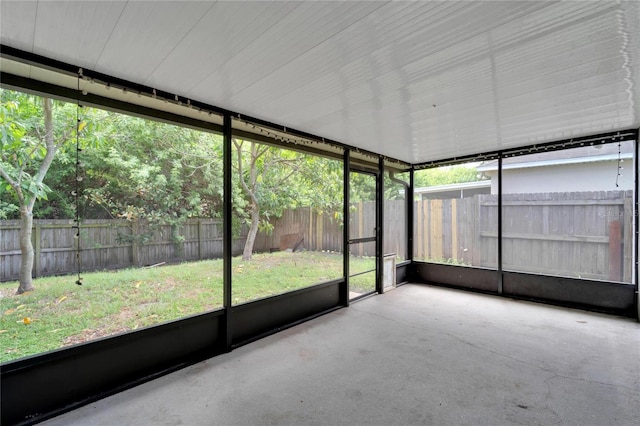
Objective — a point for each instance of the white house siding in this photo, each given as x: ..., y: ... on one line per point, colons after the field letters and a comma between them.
x: 595, y: 176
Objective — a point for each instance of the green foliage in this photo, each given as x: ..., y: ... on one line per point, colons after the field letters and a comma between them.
x: 446, y: 175
x: 152, y: 174
x: 133, y: 168
x: 362, y: 187
x: 282, y: 179
x: 394, y: 190
x: 322, y: 179
x: 23, y: 149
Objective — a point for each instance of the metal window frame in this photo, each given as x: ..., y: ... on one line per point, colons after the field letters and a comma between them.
x: 215, y: 332
x: 378, y: 175
x: 602, y: 296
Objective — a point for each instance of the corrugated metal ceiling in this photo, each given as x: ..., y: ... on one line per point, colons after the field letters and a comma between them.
x: 416, y: 81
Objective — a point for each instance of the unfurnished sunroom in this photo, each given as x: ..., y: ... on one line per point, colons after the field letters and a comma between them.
x: 179, y: 179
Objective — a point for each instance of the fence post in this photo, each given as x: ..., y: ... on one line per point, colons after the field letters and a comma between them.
x: 454, y: 229
x: 417, y: 226
x: 435, y: 240
x: 309, y: 241
x: 319, y: 227
x: 360, y: 227
x: 477, y: 229
x: 615, y: 251
x: 135, y: 259
x: 199, y: 239
x: 627, y: 241
x: 37, y: 244
x: 426, y: 241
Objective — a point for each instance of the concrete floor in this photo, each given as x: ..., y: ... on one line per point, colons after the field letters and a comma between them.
x: 416, y: 355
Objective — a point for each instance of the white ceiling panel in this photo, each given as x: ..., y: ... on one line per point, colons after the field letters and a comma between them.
x: 146, y: 33
x: 418, y: 81
x: 297, y: 32
x: 225, y: 30
x: 569, y: 80
x: 74, y: 32
x: 18, y: 33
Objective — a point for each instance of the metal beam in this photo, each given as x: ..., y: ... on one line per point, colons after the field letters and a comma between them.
x: 599, y: 139
x: 27, y: 85
x: 346, y: 170
x: 40, y: 61
x: 499, y: 225
x: 637, y: 221
x: 227, y: 218
x: 380, y: 225
x: 410, y: 216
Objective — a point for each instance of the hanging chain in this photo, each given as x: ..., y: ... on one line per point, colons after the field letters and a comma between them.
x: 619, y: 165
x: 79, y: 179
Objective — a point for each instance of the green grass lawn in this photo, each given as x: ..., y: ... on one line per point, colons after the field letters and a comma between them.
x: 60, y: 313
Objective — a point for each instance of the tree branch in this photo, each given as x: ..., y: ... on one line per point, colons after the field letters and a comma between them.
x: 245, y: 187
x: 284, y: 178
x: 15, y: 185
x: 293, y: 162
x: 50, y: 144
x: 64, y: 138
x: 27, y: 158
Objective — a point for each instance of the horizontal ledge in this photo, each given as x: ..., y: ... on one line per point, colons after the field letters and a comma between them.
x: 605, y: 202
x: 542, y: 237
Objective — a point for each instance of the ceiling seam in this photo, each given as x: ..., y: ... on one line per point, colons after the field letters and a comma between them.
x: 104, y: 46
x: 236, y: 53
x: 476, y: 57
x: 35, y: 25
x: 481, y: 55
x: 355, y: 59
x: 312, y: 48
x: 178, y: 44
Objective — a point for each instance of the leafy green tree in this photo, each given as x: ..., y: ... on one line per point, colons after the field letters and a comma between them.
x: 446, y: 175
x: 154, y: 174
x: 274, y: 179
x: 261, y: 169
x: 149, y: 173
x: 31, y: 137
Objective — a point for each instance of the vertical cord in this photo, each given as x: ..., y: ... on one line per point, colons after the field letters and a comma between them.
x: 78, y: 180
x: 619, y: 165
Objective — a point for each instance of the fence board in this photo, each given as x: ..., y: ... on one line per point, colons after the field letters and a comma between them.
x: 557, y: 233
x: 627, y: 240
x: 560, y: 233
x: 107, y: 244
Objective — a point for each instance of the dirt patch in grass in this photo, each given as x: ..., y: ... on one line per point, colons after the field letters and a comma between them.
x: 7, y: 291
x: 113, y: 324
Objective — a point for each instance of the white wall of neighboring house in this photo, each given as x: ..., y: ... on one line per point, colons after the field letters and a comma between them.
x: 591, y: 176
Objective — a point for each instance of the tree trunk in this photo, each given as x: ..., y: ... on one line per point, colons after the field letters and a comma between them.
x: 27, y: 200
x: 253, y: 232
x: 26, y: 249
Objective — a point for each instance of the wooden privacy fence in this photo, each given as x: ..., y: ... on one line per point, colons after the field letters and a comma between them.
x: 574, y: 234
x: 111, y: 244
x: 323, y: 231
x: 108, y: 244
x: 581, y: 234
